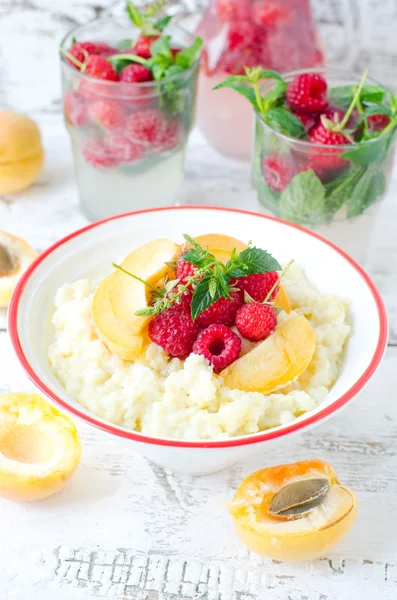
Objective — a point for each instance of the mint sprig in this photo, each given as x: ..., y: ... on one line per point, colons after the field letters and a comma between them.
x: 211, y: 279
x: 271, y: 106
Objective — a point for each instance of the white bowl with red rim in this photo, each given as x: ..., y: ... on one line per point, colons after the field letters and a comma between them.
x: 89, y: 252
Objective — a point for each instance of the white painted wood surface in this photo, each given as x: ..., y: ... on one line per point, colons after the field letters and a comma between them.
x: 126, y: 529
x: 123, y: 528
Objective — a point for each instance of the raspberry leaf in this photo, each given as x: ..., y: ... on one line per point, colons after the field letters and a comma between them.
x: 303, y: 200
x: 284, y: 121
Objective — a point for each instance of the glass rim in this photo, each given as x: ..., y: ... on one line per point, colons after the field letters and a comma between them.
x: 107, y: 83
x: 306, y: 143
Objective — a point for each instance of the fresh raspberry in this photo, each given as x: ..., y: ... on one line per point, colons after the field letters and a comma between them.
x: 327, y: 157
x: 135, y: 73
x: 143, y: 46
x: 222, y: 311
x: 100, y: 68
x: 278, y: 172
x: 81, y: 51
x: 97, y: 154
x: 307, y: 93
x: 322, y: 135
x: 242, y: 34
x: 146, y: 126
x: 271, y: 14
x: 256, y: 321
x: 231, y: 10
x: 308, y: 120
x: 107, y: 113
x: 219, y: 345
x: 174, y: 331
x: 336, y: 115
x: 378, y: 122
x: 75, y: 108
x: 257, y: 285
x: 123, y: 149
x: 171, y: 137
x: 184, y: 269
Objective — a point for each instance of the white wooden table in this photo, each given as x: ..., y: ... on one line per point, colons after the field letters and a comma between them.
x: 126, y: 529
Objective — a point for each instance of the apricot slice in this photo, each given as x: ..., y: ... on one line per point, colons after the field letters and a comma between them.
x: 39, y: 448
x: 282, y: 300
x: 127, y: 294
x: 310, y: 532
x: 15, y: 257
x: 219, y: 241
x: 119, y: 341
x: 276, y: 361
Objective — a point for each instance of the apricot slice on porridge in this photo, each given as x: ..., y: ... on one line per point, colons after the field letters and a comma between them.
x: 39, y: 448
x: 15, y: 257
x: 219, y: 241
x: 127, y: 295
x: 293, y: 512
x: 282, y: 300
x: 276, y: 361
x: 117, y: 339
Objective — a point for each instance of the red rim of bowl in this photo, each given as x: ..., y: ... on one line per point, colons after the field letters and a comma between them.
x: 229, y: 443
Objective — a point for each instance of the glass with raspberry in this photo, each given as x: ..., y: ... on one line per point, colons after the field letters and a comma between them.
x: 276, y: 34
x: 332, y: 173
x: 129, y: 103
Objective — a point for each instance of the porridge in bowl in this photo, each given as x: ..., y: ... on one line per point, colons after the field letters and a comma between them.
x: 225, y: 343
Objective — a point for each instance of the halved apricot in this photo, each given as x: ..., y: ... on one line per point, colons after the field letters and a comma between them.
x: 275, y: 362
x: 306, y: 533
x: 39, y: 448
x: 127, y: 295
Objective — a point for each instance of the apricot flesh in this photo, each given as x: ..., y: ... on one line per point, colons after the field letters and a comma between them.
x: 300, y: 539
x: 275, y: 362
x: 118, y: 340
x: 15, y: 257
x: 127, y: 295
x: 40, y: 448
x: 21, y: 152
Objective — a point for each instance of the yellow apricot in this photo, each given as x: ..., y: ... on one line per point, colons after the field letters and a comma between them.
x: 40, y: 448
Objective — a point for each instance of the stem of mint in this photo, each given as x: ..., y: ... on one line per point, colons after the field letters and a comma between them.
x: 270, y: 292
x: 353, y: 104
x: 149, y: 285
x: 130, y: 57
x: 72, y: 58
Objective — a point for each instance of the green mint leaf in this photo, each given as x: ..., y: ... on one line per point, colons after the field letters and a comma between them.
x: 370, y: 186
x: 161, y: 47
x: 222, y: 281
x: 212, y: 287
x: 276, y: 95
x: 257, y: 74
x: 340, y: 189
x: 343, y: 95
x: 285, y: 122
x: 235, y: 271
x: 134, y: 14
x: 154, y: 8
x: 162, y: 23
x: 199, y: 258
x: 186, y: 57
x: 149, y: 30
x: 158, y: 70
x: 366, y: 153
x: 254, y: 260
x: 303, y: 200
x: 74, y: 40
x: 202, y: 297
x: 173, y: 70
x: 192, y: 242
x: 240, y: 88
x: 124, y: 44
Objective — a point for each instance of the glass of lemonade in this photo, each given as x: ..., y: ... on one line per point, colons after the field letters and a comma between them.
x: 333, y: 189
x: 128, y: 139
